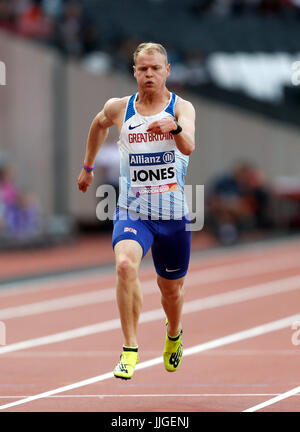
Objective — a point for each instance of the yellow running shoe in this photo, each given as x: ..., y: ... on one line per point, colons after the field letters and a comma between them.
x: 173, y: 351
x: 128, y: 359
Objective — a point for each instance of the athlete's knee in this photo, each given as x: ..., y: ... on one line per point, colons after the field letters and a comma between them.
x: 172, y: 291
x: 176, y: 294
x: 127, y: 269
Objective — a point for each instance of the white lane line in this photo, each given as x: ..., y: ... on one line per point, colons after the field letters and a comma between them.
x: 58, y: 353
x: 68, y: 302
x: 239, y: 270
x: 232, y: 297
x: 226, y: 340
x: 249, y: 293
x: 51, y: 282
x: 76, y: 278
x: 194, y: 277
x: 274, y: 400
x: 102, y: 396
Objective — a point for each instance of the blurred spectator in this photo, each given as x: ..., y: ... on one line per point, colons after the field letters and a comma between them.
x: 7, y: 16
x: 75, y: 33
x: 52, y: 8
x: 20, y: 6
x: 34, y: 23
x: 22, y: 218
x: 19, y: 213
x: 238, y: 201
x: 8, y: 191
x: 68, y: 31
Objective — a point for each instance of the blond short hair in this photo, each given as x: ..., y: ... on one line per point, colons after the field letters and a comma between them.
x: 148, y: 47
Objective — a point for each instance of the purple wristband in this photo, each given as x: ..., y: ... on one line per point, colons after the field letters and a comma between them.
x: 87, y: 168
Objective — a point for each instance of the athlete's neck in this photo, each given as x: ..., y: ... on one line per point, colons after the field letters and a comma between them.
x: 148, y: 98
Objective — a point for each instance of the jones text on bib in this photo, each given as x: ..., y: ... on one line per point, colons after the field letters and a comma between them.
x: 153, y: 172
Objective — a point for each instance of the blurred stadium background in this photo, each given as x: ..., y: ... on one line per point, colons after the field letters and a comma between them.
x: 232, y: 59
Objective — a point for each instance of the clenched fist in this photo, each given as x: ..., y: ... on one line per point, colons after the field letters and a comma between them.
x: 162, y: 126
x: 85, y: 180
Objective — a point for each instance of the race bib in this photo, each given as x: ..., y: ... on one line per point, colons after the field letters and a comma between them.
x: 153, y: 172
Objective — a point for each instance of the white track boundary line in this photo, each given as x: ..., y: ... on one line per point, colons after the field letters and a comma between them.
x: 232, y: 297
x: 151, y: 395
x: 226, y: 340
x: 274, y: 400
x: 68, y: 302
x: 211, y: 275
x: 96, y: 275
x: 50, y: 282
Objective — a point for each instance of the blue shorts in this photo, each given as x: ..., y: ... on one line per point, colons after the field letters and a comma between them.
x: 169, y: 241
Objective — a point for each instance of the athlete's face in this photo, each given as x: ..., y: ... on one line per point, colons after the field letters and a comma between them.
x: 151, y: 71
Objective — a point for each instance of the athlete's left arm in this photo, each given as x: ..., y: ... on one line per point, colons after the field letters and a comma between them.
x: 185, y: 114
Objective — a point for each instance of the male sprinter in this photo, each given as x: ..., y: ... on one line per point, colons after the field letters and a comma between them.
x: 156, y: 138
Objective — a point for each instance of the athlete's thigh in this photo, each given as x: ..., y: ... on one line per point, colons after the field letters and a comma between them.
x: 130, y: 249
x: 137, y: 231
x: 171, y: 250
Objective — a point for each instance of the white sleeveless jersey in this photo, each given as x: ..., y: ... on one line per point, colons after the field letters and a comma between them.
x: 152, y: 169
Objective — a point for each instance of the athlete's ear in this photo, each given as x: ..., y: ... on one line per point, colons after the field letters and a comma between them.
x: 168, y: 69
x: 134, y: 71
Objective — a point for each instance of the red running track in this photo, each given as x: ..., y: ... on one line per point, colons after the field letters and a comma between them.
x: 239, y: 346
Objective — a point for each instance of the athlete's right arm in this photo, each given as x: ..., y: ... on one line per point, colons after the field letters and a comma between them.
x: 97, y: 135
